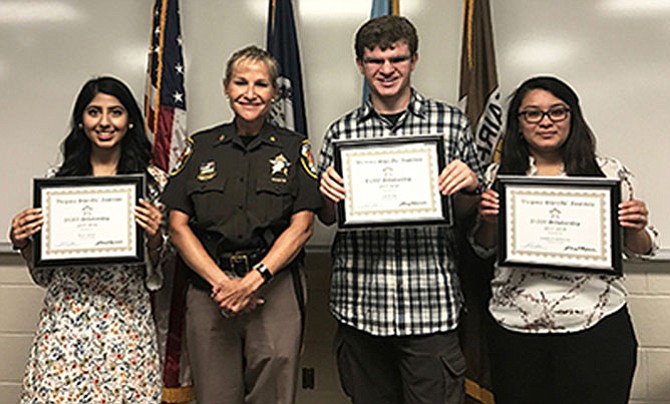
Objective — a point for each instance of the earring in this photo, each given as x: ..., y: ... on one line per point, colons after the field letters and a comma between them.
x: 130, y: 126
x: 80, y: 125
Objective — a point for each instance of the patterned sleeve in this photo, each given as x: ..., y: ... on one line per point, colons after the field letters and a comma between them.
x: 481, y: 251
x: 613, y: 168
x: 41, y: 276
x: 326, y: 156
x: 157, y: 179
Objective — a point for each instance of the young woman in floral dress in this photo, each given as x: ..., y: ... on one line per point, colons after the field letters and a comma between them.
x: 96, y: 339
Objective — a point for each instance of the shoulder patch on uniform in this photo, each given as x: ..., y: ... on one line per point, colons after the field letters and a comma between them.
x: 183, y: 159
x: 307, y: 158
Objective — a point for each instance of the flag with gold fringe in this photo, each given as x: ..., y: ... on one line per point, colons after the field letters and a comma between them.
x: 479, y: 89
x: 165, y: 111
x: 479, y: 95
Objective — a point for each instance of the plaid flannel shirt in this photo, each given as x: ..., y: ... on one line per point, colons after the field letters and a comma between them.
x: 399, y: 281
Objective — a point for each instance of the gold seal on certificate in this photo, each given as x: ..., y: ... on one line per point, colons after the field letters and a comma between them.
x: 391, y: 181
x: 88, y: 220
x: 560, y: 222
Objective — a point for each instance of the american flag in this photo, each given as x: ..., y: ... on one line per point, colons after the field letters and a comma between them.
x: 165, y: 111
x: 165, y: 99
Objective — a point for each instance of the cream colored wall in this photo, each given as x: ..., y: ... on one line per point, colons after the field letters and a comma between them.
x: 611, y: 51
x: 20, y: 303
x: 649, y: 286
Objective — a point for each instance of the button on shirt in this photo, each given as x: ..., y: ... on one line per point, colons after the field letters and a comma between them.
x: 399, y: 281
x: 239, y: 191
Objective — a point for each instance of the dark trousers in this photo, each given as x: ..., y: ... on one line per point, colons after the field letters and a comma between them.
x: 594, y: 366
x: 426, y: 369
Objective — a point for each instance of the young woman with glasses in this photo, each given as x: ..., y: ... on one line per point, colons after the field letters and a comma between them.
x: 559, y: 336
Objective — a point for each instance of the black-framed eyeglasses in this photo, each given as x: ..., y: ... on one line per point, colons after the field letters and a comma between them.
x: 395, y: 60
x: 556, y: 114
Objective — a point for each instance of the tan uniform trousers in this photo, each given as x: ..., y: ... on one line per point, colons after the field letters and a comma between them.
x: 250, y: 358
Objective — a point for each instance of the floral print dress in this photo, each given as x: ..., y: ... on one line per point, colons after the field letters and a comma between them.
x: 96, y: 339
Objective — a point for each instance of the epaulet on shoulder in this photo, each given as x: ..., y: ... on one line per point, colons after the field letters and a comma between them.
x: 197, y: 136
x: 289, y: 132
x: 202, y: 134
x: 301, y: 137
x: 288, y: 136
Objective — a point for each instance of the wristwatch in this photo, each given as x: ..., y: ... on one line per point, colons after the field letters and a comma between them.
x: 264, y: 271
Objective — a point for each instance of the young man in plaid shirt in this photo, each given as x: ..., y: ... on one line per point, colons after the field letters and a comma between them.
x: 394, y: 291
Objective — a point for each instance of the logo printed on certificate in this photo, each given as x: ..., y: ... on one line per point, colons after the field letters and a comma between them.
x: 88, y: 220
x: 392, y: 182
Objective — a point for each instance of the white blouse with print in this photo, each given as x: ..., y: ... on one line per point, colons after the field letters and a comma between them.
x: 532, y: 300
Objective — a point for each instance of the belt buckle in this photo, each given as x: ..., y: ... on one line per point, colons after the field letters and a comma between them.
x: 241, y: 260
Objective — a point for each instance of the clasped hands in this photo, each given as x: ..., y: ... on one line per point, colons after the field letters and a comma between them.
x: 237, y: 295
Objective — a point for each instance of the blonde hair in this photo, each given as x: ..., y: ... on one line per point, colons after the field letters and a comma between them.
x: 252, y: 53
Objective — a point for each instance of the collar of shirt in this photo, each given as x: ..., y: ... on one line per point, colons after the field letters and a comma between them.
x: 416, y: 106
x: 267, y: 135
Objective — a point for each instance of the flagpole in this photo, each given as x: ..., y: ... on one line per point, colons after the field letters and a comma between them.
x: 165, y: 114
x: 479, y: 94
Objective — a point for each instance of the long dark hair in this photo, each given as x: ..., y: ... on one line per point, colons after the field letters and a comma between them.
x: 578, y: 151
x: 135, y: 146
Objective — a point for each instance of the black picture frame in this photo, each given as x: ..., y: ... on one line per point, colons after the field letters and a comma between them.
x: 119, y: 192
x: 588, y: 199
x: 440, y: 212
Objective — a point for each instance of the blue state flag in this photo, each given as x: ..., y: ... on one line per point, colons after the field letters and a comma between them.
x: 288, y: 110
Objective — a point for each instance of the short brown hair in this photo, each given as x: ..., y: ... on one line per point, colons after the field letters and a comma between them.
x: 383, y: 32
x: 252, y: 53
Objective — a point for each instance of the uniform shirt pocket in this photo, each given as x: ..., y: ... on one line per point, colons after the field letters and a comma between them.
x: 209, y: 202
x: 275, y: 199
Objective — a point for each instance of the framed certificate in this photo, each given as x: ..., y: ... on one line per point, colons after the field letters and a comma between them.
x: 391, y: 181
x: 560, y: 223
x: 88, y: 220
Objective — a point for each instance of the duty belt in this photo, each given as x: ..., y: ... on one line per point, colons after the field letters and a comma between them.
x: 240, y: 262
